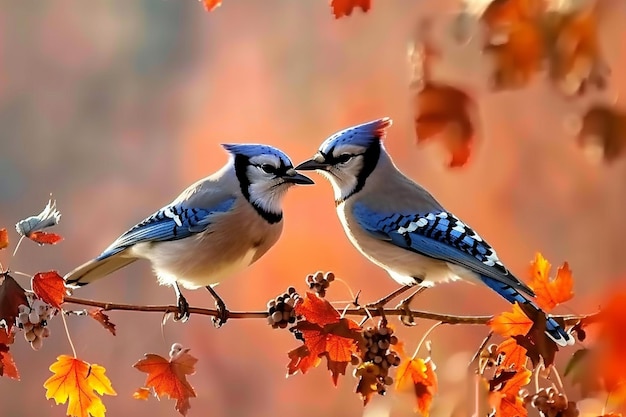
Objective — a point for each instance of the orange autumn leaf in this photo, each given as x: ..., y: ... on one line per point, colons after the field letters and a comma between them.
x: 50, y: 287
x: 419, y: 375
x: 4, y: 238
x: 506, y: 400
x: 511, y: 323
x: 550, y: 292
x: 211, y: 5
x: 98, y: 315
x: 169, y: 377
x: 514, y: 355
x: 78, y: 383
x: 142, y: 393
x: 343, y: 8
x: 325, y: 334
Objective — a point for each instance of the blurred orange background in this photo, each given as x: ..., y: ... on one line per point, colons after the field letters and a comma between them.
x: 114, y: 107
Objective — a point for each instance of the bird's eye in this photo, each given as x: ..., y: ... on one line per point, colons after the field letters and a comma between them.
x: 268, y: 168
x: 343, y: 158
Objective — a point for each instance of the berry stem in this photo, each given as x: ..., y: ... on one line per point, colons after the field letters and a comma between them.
x: 19, y: 242
x: 419, y: 345
x: 67, y: 332
x: 352, y: 296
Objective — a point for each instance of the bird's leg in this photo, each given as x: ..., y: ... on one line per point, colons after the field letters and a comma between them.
x: 183, y: 305
x: 222, y: 312
x: 407, y: 315
x: 377, y: 305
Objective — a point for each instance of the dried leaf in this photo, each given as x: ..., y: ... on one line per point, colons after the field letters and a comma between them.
x: 99, y: 315
x: 506, y: 400
x: 550, y: 292
x: 369, y: 381
x: 80, y: 383
x: 45, y: 238
x: 50, y: 287
x: 418, y: 374
x: 325, y: 335
x: 444, y: 111
x: 142, y: 393
x: 512, y: 323
x: 343, y: 8
x: 169, y: 377
x: 11, y: 297
x: 49, y: 217
x: 4, y: 238
x: 537, y: 343
x: 211, y: 5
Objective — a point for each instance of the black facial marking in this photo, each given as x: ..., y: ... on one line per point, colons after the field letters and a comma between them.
x: 370, y: 159
x: 241, y: 165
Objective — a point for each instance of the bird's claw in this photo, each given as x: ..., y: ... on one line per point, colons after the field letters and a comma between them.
x: 183, y: 310
x: 222, y: 315
x: 407, y: 315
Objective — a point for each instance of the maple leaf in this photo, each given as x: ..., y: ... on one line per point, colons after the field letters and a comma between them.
x: 211, y: 5
x: 78, y: 383
x: 550, y: 292
x: 418, y: 374
x: 505, y: 398
x: 32, y: 226
x: 50, y: 287
x: 142, y: 393
x: 343, y: 8
x: 4, y: 238
x: 511, y: 323
x: 169, y: 377
x: 513, y: 355
x: 99, y: 315
x: 7, y: 365
x: 325, y: 334
x: 537, y: 343
x: 11, y: 297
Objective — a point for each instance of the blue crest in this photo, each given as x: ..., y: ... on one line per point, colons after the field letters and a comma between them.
x: 362, y: 135
x: 254, y: 149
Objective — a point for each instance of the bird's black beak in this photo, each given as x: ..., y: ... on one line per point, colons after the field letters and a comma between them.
x: 317, y: 162
x: 294, y: 177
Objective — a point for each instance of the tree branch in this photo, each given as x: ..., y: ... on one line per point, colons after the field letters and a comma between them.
x: 445, y: 318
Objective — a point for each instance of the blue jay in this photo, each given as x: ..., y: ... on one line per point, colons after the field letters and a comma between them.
x: 212, y: 230
x: 399, y: 226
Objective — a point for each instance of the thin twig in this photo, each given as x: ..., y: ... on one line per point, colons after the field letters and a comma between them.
x: 427, y: 315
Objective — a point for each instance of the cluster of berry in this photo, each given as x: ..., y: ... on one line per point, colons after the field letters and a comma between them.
x: 378, y: 356
x: 551, y: 403
x: 281, y: 309
x: 33, y: 320
x: 319, y: 282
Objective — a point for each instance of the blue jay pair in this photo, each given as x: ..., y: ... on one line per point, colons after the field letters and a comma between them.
x: 224, y: 223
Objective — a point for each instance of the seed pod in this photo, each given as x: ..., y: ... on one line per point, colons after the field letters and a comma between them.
x: 29, y: 336
x: 354, y: 360
x: 330, y: 276
x: 378, y: 359
x: 38, y: 330
x: 383, y: 344
x: 46, y: 332
x: 37, y: 343
x: 383, y: 331
x: 277, y: 316
x: 388, y: 380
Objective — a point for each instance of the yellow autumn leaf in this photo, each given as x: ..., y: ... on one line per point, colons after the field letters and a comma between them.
x: 76, y: 381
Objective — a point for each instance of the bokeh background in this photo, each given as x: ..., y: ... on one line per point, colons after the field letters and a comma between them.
x: 114, y: 106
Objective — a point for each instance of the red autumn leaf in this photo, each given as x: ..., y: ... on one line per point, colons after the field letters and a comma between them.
x: 345, y: 7
x: 45, y: 238
x: 4, y: 238
x: 50, y: 287
x: 505, y: 399
x: 170, y: 377
x: 7, y: 365
x: 98, y: 315
x: 418, y: 375
x: 550, y: 292
x: 211, y: 5
x: 511, y: 323
x: 11, y: 297
x: 325, y: 334
x: 513, y: 355
x: 142, y: 393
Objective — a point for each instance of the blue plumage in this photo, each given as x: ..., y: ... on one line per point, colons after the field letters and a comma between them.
x: 172, y: 222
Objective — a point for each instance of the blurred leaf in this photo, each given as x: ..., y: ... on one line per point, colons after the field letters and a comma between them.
x: 99, y: 315
x: 343, y: 8
x: 170, y: 377
x: 50, y: 287
x: 603, y: 133
x: 142, y: 393
x: 550, y: 292
x: 11, y: 297
x: 78, y: 382
x: 419, y: 375
x: 505, y: 398
x: 211, y: 5
x: 4, y: 238
x: 511, y: 323
x: 45, y: 238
